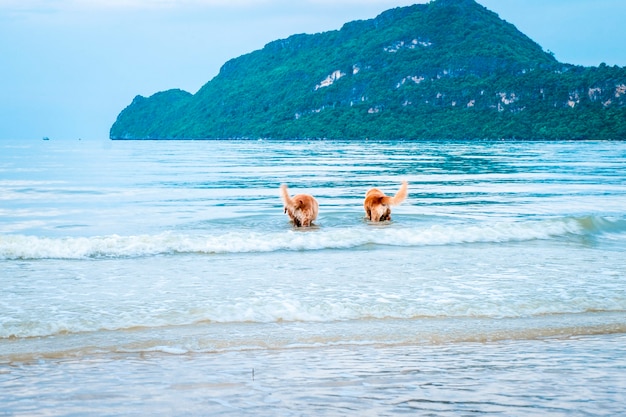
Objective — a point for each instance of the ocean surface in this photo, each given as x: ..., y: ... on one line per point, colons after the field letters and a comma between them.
x: 163, y: 278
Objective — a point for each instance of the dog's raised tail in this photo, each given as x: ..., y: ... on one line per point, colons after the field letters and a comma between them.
x: 284, y: 192
x: 401, y: 195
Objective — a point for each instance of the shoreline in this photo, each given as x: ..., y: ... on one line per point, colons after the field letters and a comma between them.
x: 574, y: 376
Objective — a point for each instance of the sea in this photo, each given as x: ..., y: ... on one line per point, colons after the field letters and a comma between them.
x: 162, y: 278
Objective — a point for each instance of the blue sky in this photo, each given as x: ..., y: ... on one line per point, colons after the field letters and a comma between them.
x: 68, y: 67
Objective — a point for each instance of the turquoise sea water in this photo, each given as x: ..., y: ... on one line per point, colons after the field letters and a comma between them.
x: 163, y: 278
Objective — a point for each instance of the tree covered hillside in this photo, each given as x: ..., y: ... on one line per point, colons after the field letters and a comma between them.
x: 450, y: 69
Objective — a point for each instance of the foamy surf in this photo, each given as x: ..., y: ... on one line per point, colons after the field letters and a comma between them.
x: 223, y: 337
x: 116, y: 246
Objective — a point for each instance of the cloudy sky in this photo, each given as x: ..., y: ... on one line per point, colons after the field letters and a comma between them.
x: 68, y: 67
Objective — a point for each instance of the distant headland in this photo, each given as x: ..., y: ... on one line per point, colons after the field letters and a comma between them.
x: 449, y: 69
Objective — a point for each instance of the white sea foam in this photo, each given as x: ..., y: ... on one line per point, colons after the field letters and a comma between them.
x: 416, y: 281
x: 35, y: 247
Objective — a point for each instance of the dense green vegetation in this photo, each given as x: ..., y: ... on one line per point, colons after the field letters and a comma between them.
x: 450, y: 69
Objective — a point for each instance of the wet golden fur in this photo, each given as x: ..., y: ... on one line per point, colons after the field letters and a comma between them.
x: 302, y: 209
x: 377, y: 204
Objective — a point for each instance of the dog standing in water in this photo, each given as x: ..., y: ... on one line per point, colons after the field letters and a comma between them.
x: 377, y: 205
x: 302, y: 208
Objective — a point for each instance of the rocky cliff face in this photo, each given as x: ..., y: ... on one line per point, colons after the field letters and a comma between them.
x: 447, y: 69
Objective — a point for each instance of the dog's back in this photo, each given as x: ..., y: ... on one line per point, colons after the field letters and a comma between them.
x: 301, y: 208
x: 377, y: 204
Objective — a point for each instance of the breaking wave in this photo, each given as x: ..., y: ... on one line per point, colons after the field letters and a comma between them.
x: 116, y: 246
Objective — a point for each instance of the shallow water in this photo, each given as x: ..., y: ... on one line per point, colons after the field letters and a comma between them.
x: 557, y: 377
x: 153, y: 277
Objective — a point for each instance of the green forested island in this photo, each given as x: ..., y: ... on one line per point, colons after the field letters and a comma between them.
x: 449, y: 69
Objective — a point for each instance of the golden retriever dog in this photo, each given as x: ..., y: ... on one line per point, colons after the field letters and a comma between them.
x: 377, y: 205
x: 301, y: 208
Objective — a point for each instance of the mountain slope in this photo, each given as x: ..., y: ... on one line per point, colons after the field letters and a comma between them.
x: 447, y: 69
